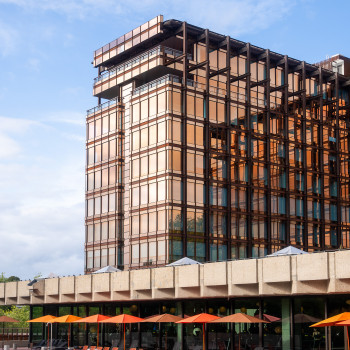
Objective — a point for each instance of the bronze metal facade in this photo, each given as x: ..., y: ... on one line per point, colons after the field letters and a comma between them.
x: 212, y: 148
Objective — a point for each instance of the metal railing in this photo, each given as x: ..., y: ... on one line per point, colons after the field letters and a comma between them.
x: 102, y: 106
x: 14, y: 334
x: 137, y: 60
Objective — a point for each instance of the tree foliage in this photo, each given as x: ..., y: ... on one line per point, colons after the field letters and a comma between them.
x: 20, y: 313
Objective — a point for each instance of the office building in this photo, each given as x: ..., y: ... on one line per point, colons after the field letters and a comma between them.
x: 208, y: 147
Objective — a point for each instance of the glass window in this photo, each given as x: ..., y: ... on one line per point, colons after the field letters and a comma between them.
x: 153, y: 192
x: 152, y: 163
x: 152, y: 222
x: 135, y: 196
x: 176, y: 131
x: 153, y: 134
x: 144, y: 137
x: 161, y: 190
x: 143, y: 223
x: 144, y: 194
x: 161, y: 161
x: 161, y: 132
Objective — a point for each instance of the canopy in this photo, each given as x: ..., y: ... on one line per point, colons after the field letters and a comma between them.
x: 7, y: 319
x: 343, y: 323
x: 239, y: 318
x: 43, y: 319
x: 288, y: 251
x: 304, y: 318
x: 164, y: 318
x: 332, y: 321
x: 92, y: 319
x: 107, y: 269
x: 200, y: 318
x: 124, y: 318
x: 65, y: 319
x: 270, y: 318
x: 184, y: 261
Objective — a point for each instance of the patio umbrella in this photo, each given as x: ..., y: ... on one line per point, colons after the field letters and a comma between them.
x: 200, y: 318
x: 164, y: 318
x: 332, y: 321
x: 93, y: 319
x: 6, y: 319
x: 239, y: 318
x: 305, y: 318
x: 123, y: 318
x: 270, y: 318
x: 45, y: 319
x: 66, y: 319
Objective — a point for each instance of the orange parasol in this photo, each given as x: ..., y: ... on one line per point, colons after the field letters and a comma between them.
x: 335, y: 321
x: 123, y: 318
x: 331, y: 321
x: 66, y: 319
x: 45, y: 319
x: 200, y: 318
x: 93, y: 319
x: 239, y: 318
x: 164, y: 318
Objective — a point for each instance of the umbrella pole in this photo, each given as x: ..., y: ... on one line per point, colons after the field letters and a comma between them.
x: 68, y: 333
x: 347, y: 333
x: 48, y: 334
x: 97, y: 332
x: 239, y: 337
x: 203, y: 336
x: 166, y: 339
x: 124, y: 336
x: 51, y: 337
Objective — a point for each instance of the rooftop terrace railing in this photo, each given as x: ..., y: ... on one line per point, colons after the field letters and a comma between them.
x: 137, y: 60
x: 102, y: 106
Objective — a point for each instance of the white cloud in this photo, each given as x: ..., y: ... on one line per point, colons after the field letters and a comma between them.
x: 42, y: 201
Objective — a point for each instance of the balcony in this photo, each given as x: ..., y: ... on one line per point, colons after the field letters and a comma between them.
x: 107, y: 54
x: 147, y: 66
x: 103, y: 107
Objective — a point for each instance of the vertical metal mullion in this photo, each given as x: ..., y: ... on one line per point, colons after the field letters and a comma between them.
x: 268, y: 150
x: 228, y: 144
x: 286, y: 148
x: 305, y: 236
x: 184, y: 135
x: 338, y: 160
x: 207, y: 146
x: 249, y: 151
x: 321, y: 155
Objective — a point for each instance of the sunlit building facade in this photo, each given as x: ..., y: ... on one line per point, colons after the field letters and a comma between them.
x: 208, y: 147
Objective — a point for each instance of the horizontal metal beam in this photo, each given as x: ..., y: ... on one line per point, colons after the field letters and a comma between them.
x: 196, y: 66
x: 174, y: 60
x: 240, y: 77
x: 278, y: 88
x: 258, y: 83
x: 296, y: 93
x: 220, y: 71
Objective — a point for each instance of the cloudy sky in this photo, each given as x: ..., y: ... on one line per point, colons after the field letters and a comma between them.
x: 46, y: 75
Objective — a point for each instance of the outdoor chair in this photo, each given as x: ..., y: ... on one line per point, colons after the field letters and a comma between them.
x: 115, y: 348
x: 92, y: 347
x: 106, y: 348
x: 99, y: 348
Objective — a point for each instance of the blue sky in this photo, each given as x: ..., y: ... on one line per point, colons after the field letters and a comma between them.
x: 46, y: 49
